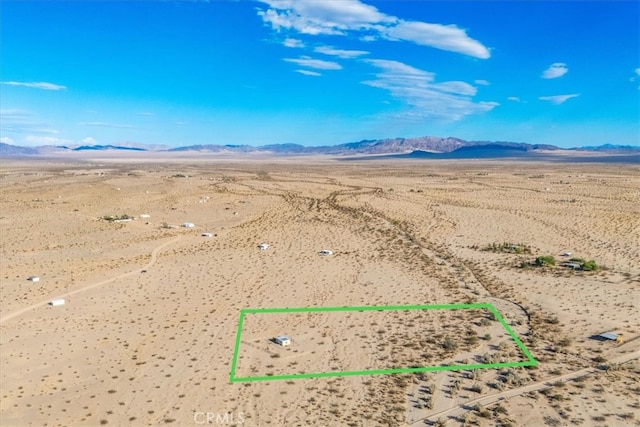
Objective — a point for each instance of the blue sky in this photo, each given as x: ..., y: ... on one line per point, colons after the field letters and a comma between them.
x: 318, y: 72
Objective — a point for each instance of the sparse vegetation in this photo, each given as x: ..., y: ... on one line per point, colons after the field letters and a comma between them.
x: 114, y: 218
x: 507, y: 247
x: 545, y: 260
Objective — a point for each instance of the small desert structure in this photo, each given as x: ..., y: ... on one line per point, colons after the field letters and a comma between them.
x: 612, y: 336
x: 33, y: 278
x: 56, y: 302
x: 207, y: 235
x: 326, y: 252
x: 282, y: 340
x: 188, y: 224
x: 574, y: 265
x: 566, y: 254
x: 263, y: 246
x: 145, y: 216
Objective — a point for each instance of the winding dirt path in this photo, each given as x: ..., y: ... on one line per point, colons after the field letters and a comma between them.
x: 154, y: 257
x: 491, y: 399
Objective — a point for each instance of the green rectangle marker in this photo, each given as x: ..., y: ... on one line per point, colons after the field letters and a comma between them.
x: 233, y: 378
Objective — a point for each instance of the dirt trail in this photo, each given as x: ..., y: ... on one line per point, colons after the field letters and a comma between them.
x: 491, y: 399
x: 154, y: 257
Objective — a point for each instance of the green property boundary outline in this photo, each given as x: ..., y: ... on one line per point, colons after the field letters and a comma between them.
x: 234, y: 379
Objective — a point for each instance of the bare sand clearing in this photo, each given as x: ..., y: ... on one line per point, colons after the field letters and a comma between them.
x: 148, y: 330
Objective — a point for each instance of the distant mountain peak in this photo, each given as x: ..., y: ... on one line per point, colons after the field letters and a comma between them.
x: 106, y: 147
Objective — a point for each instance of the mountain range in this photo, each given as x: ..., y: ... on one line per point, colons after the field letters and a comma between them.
x: 427, y: 147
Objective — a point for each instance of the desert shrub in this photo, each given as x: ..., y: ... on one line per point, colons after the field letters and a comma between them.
x: 476, y: 388
x: 449, y: 344
x: 545, y: 260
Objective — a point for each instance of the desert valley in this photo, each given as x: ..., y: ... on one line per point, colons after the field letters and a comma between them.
x: 155, y: 257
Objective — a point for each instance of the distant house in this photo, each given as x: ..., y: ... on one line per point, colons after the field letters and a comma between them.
x: 33, y: 278
x: 56, y: 302
x: 325, y: 252
x: 207, y: 235
x: 574, y: 265
x: 188, y: 224
x: 263, y: 246
x: 282, y: 340
x: 612, y: 336
x: 145, y: 216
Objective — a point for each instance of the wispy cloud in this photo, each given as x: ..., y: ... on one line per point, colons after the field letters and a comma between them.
x: 482, y: 82
x: 46, y: 140
x: 348, y: 17
x: 145, y: 113
x: 426, y: 98
x: 444, y: 37
x: 308, y: 73
x: 294, y: 43
x: 89, y: 140
x: 558, y: 99
x: 513, y: 98
x: 23, y: 122
x: 305, y: 61
x: 37, y: 85
x: 637, y: 75
x: 6, y: 140
x: 555, y: 70
x: 107, y: 125
x: 340, y: 53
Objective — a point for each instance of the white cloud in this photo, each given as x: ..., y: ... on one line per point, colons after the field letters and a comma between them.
x: 426, y: 98
x: 558, y: 99
x: 37, y: 85
x: 308, y: 73
x: 89, y: 140
x: 340, y: 53
x: 106, y: 125
x: 513, y: 98
x: 145, y: 113
x: 288, y: 42
x: 345, y: 17
x: 638, y: 71
x: 444, y: 37
x: 6, y: 140
x: 305, y: 61
x: 555, y: 70
x: 46, y: 140
x: 321, y: 17
x: 482, y: 82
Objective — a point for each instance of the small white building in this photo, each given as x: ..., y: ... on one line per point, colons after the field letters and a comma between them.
x: 145, y: 216
x: 263, y: 246
x: 56, y: 302
x: 207, y: 235
x: 33, y: 278
x: 188, y: 225
x: 282, y: 340
x: 325, y: 252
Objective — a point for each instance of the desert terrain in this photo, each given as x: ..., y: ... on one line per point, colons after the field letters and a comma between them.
x: 148, y: 330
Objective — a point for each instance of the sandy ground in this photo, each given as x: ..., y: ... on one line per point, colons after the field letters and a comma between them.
x: 148, y: 331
